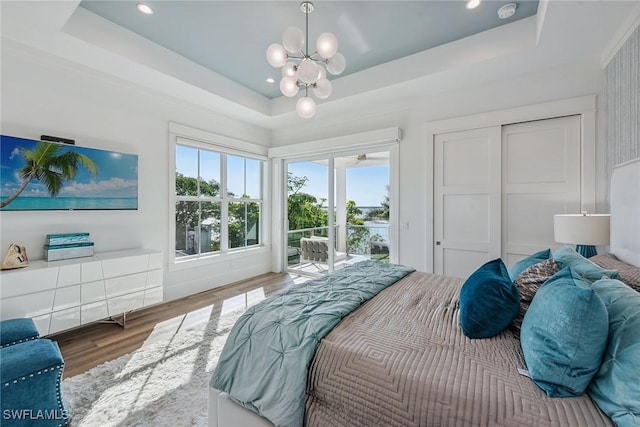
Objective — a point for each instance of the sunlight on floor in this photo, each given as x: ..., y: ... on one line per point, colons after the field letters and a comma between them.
x: 178, y: 353
x: 179, y: 342
x: 184, y: 321
x: 242, y: 301
x: 164, y: 364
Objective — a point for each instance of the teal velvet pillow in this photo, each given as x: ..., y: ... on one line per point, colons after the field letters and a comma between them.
x: 566, y: 256
x: 523, y: 264
x: 616, y: 386
x: 488, y: 301
x: 564, y: 335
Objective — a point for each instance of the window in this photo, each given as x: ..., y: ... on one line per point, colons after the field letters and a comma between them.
x: 218, y: 200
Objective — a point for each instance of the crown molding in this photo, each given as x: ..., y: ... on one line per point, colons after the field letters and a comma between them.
x: 626, y: 30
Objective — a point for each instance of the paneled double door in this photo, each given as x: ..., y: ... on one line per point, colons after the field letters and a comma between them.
x: 496, y: 190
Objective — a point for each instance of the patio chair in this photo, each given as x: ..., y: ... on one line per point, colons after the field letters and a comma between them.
x: 315, y: 250
x: 379, y: 250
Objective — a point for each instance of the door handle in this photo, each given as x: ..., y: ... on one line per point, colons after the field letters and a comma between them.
x: 438, y: 243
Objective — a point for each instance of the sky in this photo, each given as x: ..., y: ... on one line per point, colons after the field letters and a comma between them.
x: 367, y: 186
x: 117, y: 172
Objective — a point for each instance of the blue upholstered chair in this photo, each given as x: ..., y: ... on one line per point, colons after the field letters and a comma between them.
x: 30, y: 377
x: 16, y: 331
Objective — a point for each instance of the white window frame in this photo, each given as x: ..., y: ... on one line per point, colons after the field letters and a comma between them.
x: 198, y: 139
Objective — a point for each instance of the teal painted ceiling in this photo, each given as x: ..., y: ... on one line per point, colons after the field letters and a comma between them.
x: 231, y: 37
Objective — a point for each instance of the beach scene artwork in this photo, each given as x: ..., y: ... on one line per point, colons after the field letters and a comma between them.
x: 40, y: 175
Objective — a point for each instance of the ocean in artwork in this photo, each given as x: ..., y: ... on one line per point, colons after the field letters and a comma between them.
x: 71, y: 203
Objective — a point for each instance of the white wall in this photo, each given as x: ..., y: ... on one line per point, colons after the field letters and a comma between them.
x: 45, y: 95
x: 416, y: 157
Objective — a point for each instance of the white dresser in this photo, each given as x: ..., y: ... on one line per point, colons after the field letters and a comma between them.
x: 65, y: 294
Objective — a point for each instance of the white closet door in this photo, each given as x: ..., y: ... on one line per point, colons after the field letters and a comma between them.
x: 540, y: 178
x: 467, y: 212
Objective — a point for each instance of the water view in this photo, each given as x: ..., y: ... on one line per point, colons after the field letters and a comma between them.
x: 71, y: 203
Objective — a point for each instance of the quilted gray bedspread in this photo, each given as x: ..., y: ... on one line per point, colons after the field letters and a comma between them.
x: 402, y: 360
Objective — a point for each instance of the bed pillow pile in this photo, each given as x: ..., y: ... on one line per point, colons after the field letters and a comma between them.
x: 520, y: 266
x: 616, y: 386
x: 488, y: 301
x: 566, y: 256
x: 564, y: 335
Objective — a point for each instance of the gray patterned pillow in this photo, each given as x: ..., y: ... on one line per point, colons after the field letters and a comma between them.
x: 528, y: 282
x: 629, y: 274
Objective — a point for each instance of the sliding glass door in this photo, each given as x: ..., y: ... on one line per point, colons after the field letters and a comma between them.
x: 362, y: 205
x: 337, y: 210
x: 308, y: 217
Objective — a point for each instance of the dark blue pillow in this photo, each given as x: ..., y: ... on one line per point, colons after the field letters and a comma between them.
x: 527, y: 262
x: 564, y: 335
x: 488, y: 301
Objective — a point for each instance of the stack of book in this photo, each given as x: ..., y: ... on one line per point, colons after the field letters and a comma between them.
x: 65, y: 246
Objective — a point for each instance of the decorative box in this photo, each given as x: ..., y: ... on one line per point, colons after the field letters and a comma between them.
x: 66, y: 239
x: 72, y: 250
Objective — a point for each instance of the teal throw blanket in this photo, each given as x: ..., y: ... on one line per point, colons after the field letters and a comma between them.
x: 265, y: 360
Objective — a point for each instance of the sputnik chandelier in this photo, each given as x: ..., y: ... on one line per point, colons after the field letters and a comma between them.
x: 303, y: 70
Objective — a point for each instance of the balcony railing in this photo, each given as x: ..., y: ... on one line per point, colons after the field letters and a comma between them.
x: 369, y: 240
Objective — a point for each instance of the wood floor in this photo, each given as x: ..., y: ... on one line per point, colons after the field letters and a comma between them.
x: 88, y: 346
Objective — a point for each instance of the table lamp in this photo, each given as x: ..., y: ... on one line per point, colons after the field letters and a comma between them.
x: 583, y: 230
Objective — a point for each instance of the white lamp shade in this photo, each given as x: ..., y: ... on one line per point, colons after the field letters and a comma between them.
x: 322, y: 73
x: 289, y: 70
x: 336, y: 64
x: 306, y: 107
x: 293, y: 39
x: 276, y: 55
x: 289, y: 86
x: 322, y: 89
x: 579, y: 229
x: 327, y: 45
x: 308, y: 71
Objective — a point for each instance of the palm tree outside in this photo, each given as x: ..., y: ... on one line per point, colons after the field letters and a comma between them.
x: 47, y: 164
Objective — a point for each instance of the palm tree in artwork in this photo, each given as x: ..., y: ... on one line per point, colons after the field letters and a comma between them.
x: 48, y: 165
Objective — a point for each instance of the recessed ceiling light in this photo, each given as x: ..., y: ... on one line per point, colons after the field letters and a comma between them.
x: 472, y: 4
x: 271, y: 80
x: 145, y: 8
x: 507, y: 10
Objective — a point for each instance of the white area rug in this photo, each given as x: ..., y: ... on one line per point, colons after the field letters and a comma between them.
x: 164, y: 383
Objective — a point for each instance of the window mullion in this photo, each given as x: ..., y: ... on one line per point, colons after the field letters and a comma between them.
x: 246, y: 205
x: 224, y: 208
x: 246, y: 229
x: 244, y: 177
x: 198, y: 233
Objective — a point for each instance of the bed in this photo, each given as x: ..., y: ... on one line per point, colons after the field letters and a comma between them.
x: 401, y: 358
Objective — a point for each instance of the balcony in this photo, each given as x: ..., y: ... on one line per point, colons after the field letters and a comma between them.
x: 359, y: 243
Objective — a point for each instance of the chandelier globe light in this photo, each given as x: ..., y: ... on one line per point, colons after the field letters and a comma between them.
x: 301, y: 69
x: 306, y: 107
